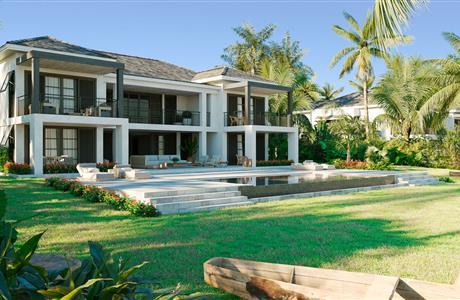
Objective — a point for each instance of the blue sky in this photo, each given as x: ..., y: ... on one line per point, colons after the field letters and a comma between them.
x: 194, y: 34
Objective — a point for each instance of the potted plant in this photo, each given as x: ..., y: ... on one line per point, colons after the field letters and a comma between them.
x: 187, y: 117
x: 190, y: 148
x: 175, y: 159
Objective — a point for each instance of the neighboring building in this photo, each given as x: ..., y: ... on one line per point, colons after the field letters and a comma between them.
x: 60, y: 99
x: 353, y: 105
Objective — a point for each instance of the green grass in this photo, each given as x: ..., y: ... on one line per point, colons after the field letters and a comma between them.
x: 411, y: 232
x: 431, y: 171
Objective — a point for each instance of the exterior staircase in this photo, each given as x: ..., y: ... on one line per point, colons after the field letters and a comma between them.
x: 415, y: 179
x: 194, y: 200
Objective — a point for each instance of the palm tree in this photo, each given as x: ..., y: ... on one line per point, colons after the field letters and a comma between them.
x: 359, y: 86
x: 402, y: 93
x: 391, y: 15
x: 247, y: 54
x: 350, y: 131
x: 328, y: 92
x: 282, y: 73
x: 366, y: 45
x: 447, y: 79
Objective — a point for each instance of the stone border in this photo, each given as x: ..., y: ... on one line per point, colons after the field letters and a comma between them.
x: 325, y: 193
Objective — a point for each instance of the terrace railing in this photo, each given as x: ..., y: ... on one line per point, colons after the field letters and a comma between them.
x: 239, y: 118
x: 164, y: 117
x: 68, y: 105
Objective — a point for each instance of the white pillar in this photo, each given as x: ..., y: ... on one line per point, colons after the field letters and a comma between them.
x: 202, y: 144
x: 36, y: 146
x: 223, y: 150
x: 250, y: 144
x: 266, y: 146
x: 202, y: 108
x: 99, y: 144
x: 178, y: 145
x: 293, y: 145
x: 122, y: 144
x: 19, y: 136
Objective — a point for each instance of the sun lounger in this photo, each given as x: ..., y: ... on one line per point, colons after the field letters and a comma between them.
x: 89, y: 171
x: 125, y: 171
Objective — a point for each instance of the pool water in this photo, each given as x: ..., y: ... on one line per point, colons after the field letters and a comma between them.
x: 291, y: 179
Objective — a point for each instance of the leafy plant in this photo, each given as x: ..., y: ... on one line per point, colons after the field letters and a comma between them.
x: 16, y: 168
x: 105, y: 166
x: 57, y: 168
x: 190, y: 147
x: 95, y: 194
x: 446, y: 179
x: 4, y: 156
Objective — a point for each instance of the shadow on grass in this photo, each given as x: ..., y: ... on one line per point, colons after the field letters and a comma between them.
x: 299, y: 233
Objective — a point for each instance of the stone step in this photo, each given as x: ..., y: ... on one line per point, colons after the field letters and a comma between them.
x: 177, y: 207
x: 191, y: 197
x: 424, y: 181
x: 190, y: 191
x: 215, y: 207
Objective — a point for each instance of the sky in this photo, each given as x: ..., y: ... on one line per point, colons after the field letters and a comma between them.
x: 193, y: 34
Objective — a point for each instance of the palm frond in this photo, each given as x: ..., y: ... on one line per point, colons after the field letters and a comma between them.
x: 349, y: 35
x: 340, y: 55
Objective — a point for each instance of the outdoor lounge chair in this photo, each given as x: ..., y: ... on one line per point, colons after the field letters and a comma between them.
x: 125, y: 171
x: 89, y: 171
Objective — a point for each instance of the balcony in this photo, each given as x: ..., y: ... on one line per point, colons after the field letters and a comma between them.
x: 68, y: 105
x: 163, y: 117
x: 239, y: 118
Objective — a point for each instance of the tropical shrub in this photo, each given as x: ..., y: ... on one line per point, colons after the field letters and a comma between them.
x: 352, y: 164
x: 266, y: 163
x: 105, y: 166
x: 16, y: 168
x: 446, y: 179
x: 377, y: 159
x: 57, y: 168
x: 452, y: 147
x: 100, y: 276
x: 4, y: 156
x: 96, y: 194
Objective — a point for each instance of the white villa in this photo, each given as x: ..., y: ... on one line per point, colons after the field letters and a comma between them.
x: 59, y: 99
x: 353, y: 105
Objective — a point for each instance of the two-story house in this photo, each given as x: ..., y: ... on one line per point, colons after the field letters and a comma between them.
x: 60, y: 99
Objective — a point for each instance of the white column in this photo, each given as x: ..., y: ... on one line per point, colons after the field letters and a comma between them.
x: 293, y: 145
x: 266, y: 146
x: 19, y: 135
x: 250, y: 144
x: 36, y: 146
x: 202, y: 108
x: 99, y: 144
x: 122, y: 144
x: 178, y: 145
x: 202, y: 144
x: 223, y: 150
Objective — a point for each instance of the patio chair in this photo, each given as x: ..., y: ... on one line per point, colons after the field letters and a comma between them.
x: 242, y: 160
x: 89, y: 171
x: 125, y: 171
x: 203, y: 160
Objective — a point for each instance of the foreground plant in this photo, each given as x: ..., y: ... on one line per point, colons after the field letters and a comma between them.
x: 98, y: 277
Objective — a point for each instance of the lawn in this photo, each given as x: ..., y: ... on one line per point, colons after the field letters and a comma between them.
x: 412, y: 232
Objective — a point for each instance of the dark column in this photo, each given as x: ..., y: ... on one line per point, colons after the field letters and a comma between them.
x: 35, y: 90
x: 120, y: 93
x: 247, y: 103
x: 289, y: 116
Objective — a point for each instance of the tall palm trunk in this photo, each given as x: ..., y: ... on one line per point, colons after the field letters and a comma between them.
x: 348, y: 152
x: 366, y: 107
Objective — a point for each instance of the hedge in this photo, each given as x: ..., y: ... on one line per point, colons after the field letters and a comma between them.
x: 95, y: 194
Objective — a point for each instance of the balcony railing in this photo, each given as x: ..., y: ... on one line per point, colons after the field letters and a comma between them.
x: 164, y: 117
x: 68, y: 105
x: 239, y: 118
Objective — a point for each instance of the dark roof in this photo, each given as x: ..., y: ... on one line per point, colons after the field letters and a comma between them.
x: 50, y: 43
x: 134, y: 65
x: 230, y: 72
x: 147, y: 67
x: 343, y: 101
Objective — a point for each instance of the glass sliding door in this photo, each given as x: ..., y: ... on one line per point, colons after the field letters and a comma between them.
x: 61, y: 145
x: 68, y: 96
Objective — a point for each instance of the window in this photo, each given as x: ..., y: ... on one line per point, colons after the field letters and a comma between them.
x: 68, y: 95
x: 61, y: 142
